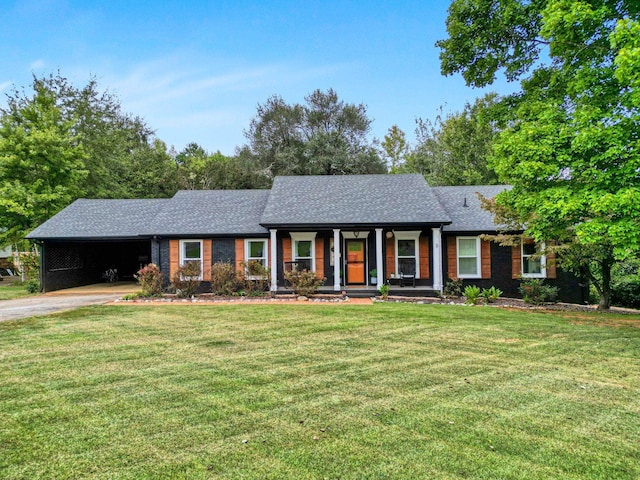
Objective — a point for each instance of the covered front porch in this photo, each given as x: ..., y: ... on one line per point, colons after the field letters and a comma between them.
x: 360, y: 258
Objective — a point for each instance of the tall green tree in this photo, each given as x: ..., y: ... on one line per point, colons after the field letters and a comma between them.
x: 396, y: 148
x: 151, y: 172
x: 41, y: 164
x: 324, y: 136
x: 191, y: 168
x: 571, y: 146
x: 199, y: 170
x: 454, y: 149
x: 110, y: 137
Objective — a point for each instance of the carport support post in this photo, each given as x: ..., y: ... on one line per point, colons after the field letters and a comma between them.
x: 42, y: 266
x: 336, y: 259
x: 274, y: 260
x: 437, y: 258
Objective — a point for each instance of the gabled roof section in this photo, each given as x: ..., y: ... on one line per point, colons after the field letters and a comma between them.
x: 100, y: 219
x: 472, y: 217
x: 351, y: 200
x: 211, y: 212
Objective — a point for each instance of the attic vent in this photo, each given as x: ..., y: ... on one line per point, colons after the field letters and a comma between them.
x: 465, y: 202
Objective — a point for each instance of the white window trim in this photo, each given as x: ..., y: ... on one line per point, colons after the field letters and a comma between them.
x: 183, y: 259
x: 543, y: 264
x: 478, y: 258
x: 247, y: 250
x: 302, y: 237
x: 408, y: 235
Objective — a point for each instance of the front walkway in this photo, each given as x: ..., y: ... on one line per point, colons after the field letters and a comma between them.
x: 372, y: 291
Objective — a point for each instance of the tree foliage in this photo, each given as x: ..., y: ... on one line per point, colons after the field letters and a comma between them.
x: 454, y: 149
x: 116, y: 144
x: 324, y: 136
x: 571, y: 146
x: 200, y: 170
x: 396, y: 148
x: 41, y: 163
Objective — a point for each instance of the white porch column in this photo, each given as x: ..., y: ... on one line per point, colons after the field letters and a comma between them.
x: 274, y: 260
x: 437, y: 258
x: 336, y: 259
x: 379, y: 258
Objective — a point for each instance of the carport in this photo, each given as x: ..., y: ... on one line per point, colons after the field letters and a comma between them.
x: 66, y: 264
x: 88, y: 237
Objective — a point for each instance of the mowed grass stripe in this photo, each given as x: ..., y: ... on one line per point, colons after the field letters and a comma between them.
x: 387, y: 391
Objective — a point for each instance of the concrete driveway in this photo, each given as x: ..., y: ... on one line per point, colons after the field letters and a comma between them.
x: 61, y: 300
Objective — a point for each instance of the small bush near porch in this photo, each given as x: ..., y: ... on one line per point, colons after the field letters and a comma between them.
x: 310, y: 392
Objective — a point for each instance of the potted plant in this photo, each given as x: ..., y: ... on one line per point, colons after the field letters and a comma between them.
x: 374, y: 276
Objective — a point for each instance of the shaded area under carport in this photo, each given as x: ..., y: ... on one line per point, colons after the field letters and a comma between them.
x: 67, y: 264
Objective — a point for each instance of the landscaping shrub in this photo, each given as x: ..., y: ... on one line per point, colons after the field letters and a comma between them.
x: 472, y: 294
x: 490, y: 295
x: 453, y: 287
x: 32, y: 286
x: 256, y: 278
x: 384, y: 291
x: 224, y: 279
x: 150, y: 279
x: 536, y: 292
x: 303, y: 282
x: 186, y: 280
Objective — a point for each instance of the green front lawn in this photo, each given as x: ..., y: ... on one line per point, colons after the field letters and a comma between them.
x: 10, y: 291
x: 387, y: 391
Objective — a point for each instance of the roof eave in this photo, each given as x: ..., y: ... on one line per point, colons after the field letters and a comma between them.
x: 352, y: 225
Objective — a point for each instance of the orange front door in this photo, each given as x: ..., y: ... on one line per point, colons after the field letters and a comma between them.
x: 355, y: 261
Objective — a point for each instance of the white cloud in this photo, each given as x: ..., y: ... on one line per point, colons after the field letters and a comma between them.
x: 204, y: 100
x: 4, y: 85
x: 37, y: 64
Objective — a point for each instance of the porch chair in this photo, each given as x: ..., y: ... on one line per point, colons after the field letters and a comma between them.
x: 407, y: 272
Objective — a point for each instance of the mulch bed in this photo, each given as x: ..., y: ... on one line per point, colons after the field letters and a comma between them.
x: 209, y: 298
x: 512, y: 303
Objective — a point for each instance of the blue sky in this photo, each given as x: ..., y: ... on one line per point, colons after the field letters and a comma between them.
x: 196, y: 70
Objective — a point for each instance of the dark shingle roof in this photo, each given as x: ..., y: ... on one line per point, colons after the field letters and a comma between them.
x: 85, y: 219
x: 472, y: 218
x: 211, y: 212
x: 309, y: 201
x: 352, y: 200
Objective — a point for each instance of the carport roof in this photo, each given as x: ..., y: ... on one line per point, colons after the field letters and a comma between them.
x: 100, y: 219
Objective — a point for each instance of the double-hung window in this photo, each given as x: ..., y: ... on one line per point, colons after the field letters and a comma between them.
x: 304, y: 250
x: 407, y: 257
x: 255, y: 256
x: 191, y: 252
x: 407, y: 253
x: 468, y: 249
x: 303, y: 254
x: 533, y: 263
